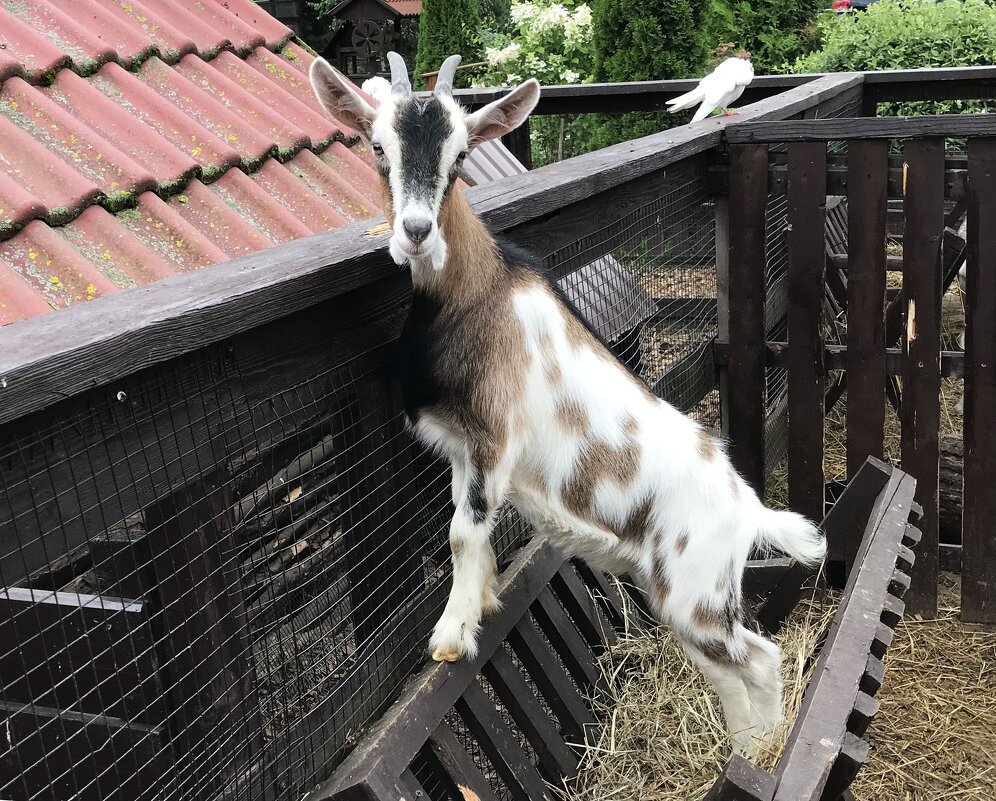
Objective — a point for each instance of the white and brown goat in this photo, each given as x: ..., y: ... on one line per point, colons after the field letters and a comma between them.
x: 502, y: 376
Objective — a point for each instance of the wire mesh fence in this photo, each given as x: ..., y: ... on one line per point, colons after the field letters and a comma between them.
x: 217, y: 576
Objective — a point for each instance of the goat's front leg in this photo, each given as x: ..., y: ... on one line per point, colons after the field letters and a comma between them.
x: 474, y: 572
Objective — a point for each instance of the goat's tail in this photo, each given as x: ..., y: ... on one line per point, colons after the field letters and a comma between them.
x: 790, y: 533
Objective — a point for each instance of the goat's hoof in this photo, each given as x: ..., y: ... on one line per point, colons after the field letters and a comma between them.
x: 446, y: 655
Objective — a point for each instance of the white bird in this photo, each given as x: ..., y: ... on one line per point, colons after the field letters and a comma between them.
x: 717, y: 89
x: 378, y: 88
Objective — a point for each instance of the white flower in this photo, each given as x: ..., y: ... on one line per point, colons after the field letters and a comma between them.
x: 570, y: 76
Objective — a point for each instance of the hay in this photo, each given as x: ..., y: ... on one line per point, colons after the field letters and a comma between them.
x: 933, y: 738
x: 664, y: 735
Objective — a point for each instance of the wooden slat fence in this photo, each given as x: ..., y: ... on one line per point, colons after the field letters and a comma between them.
x: 930, y: 256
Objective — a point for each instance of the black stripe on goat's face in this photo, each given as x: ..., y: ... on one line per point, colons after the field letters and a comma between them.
x: 419, y: 142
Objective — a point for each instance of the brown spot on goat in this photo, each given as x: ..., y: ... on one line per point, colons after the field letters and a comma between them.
x: 680, y: 544
x: 717, y: 651
x: 707, y: 447
x: 571, y: 416
x: 599, y: 461
x: 630, y: 426
x: 660, y: 587
x: 705, y: 617
x: 551, y: 367
x: 637, y: 523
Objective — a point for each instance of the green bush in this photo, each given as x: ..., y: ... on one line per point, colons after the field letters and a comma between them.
x: 908, y: 35
x: 447, y: 27
x: 775, y: 32
x: 550, y: 41
x: 645, y: 40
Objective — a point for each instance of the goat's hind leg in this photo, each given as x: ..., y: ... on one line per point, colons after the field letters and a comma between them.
x: 474, y: 571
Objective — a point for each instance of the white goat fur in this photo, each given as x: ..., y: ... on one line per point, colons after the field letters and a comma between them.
x: 579, y: 446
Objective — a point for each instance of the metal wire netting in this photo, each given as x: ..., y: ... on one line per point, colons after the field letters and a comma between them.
x: 214, y: 584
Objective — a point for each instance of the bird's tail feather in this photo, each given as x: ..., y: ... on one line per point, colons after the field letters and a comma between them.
x: 684, y: 101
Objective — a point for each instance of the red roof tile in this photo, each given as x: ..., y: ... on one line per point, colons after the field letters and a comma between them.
x: 143, y: 139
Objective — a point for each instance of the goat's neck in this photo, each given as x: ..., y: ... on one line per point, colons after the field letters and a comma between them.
x: 473, y: 265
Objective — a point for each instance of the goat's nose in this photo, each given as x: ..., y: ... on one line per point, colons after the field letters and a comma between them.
x: 417, y: 229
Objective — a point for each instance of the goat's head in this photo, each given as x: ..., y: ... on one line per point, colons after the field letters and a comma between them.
x: 419, y: 142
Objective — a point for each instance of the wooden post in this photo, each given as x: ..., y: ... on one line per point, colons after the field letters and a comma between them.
x: 978, y: 582
x: 749, y: 195
x: 204, y: 647
x: 518, y: 141
x: 807, y: 194
x: 867, y: 178
x: 920, y: 412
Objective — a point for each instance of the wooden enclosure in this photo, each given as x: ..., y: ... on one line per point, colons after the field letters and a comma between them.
x: 496, y: 703
x: 220, y: 552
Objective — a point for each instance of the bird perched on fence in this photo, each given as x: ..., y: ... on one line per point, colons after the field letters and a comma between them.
x: 378, y: 88
x: 717, y: 89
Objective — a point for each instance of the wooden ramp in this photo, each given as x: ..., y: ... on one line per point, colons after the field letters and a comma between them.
x: 504, y: 724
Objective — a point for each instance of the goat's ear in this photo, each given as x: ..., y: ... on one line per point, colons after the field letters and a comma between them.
x: 340, y: 98
x: 503, y: 115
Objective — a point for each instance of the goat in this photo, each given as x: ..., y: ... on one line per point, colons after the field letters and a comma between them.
x: 501, y: 376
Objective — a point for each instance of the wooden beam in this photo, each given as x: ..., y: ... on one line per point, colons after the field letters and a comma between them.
x: 807, y: 194
x: 748, y: 166
x: 978, y: 589
x: 920, y: 411
x: 849, y: 129
x: 865, y: 298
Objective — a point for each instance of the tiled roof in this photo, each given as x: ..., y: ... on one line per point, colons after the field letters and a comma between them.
x: 143, y: 139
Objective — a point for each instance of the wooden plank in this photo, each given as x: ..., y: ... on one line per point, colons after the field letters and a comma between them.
x: 865, y: 293
x: 845, y: 523
x: 556, y: 759
x: 552, y: 680
x: 605, y: 593
x: 582, y: 608
x: 978, y: 587
x: 920, y: 411
x: 806, y: 383
x: 835, y: 358
x: 841, y: 672
x: 399, y: 734
x: 61, y: 755
x: 748, y: 199
x: 865, y: 708
x: 761, y: 576
x: 623, y: 96
x: 853, y: 754
x: 510, y: 762
x: 567, y: 642
x: 848, y: 129
x: 458, y: 765
x: 203, y: 644
x: 88, y: 653
x: 46, y: 358
x: 741, y: 780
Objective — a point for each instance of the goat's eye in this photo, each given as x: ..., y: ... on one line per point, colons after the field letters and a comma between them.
x: 461, y: 157
x: 377, y: 149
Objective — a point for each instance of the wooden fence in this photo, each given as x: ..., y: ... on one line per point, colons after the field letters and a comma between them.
x: 929, y: 264
x: 162, y: 452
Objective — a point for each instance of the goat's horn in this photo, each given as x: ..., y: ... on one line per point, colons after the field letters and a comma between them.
x: 444, y: 81
x: 400, y: 85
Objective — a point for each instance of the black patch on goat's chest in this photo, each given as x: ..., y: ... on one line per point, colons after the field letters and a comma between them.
x: 423, y: 126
